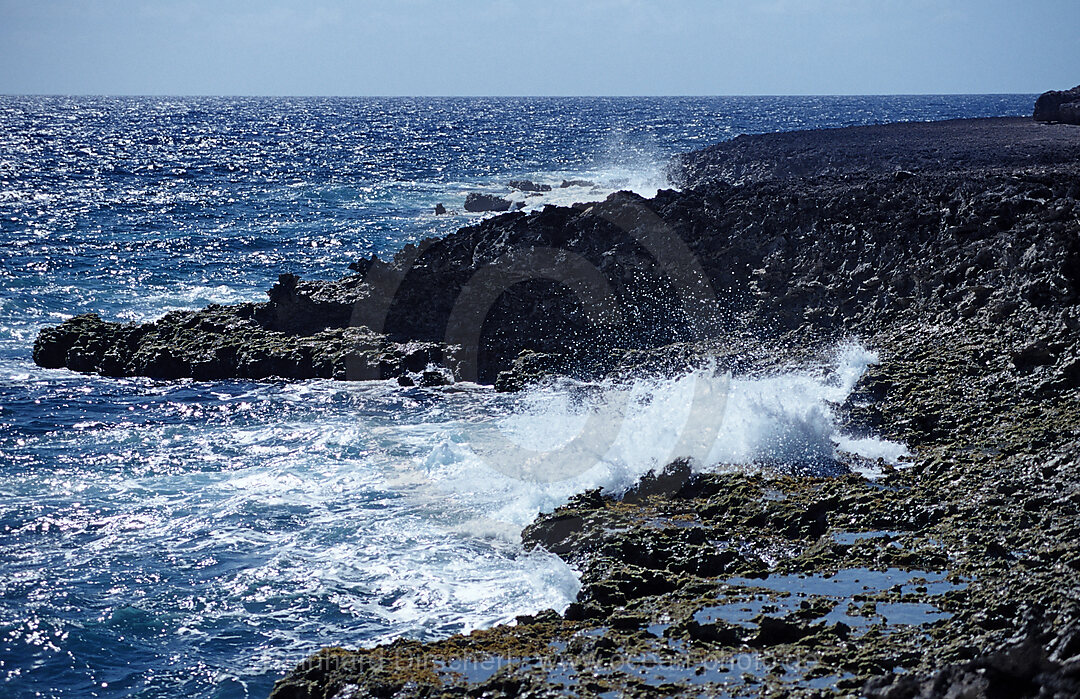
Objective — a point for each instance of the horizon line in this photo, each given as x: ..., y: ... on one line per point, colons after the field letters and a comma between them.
x: 512, y: 96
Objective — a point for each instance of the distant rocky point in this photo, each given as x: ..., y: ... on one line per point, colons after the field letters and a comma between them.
x: 1059, y: 106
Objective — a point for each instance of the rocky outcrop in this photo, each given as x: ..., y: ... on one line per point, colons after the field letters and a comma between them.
x: 226, y: 343
x: 1041, y: 664
x: 479, y: 202
x: 528, y: 186
x: 1059, y: 106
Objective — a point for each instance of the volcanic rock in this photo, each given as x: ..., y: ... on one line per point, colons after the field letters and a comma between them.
x: 529, y: 186
x: 477, y: 202
x: 1059, y: 105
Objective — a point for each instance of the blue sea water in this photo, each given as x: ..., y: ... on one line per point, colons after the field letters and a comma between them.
x: 198, y: 539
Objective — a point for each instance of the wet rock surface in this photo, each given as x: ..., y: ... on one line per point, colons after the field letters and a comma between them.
x: 221, y: 342
x: 951, y: 249
x: 528, y: 186
x: 476, y: 201
x: 1039, y: 665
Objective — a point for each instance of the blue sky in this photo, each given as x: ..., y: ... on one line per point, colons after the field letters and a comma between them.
x: 537, y: 47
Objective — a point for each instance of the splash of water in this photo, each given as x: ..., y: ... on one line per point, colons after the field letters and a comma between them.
x: 620, y: 430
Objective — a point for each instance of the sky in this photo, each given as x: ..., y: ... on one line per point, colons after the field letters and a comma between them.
x: 537, y: 47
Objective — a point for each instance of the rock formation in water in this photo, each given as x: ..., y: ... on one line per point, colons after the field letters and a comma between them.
x: 479, y: 202
x: 528, y: 186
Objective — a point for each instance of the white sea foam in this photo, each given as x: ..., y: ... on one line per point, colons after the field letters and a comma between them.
x: 563, y: 438
x: 645, y: 177
x: 640, y: 171
x: 150, y: 305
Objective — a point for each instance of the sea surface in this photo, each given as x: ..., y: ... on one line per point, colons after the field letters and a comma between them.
x: 162, y: 539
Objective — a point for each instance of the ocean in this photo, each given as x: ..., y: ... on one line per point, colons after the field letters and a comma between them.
x: 200, y: 538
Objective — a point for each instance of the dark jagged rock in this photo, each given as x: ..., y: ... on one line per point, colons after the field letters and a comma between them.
x: 669, y: 481
x: 440, y: 210
x: 528, y: 186
x: 303, y: 308
x: 224, y: 343
x: 434, y: 377
x: 477, y: 202
x: 529, y: 367
x: 576, y: 183
x: 1059, y: 106
x: 1039, y: 665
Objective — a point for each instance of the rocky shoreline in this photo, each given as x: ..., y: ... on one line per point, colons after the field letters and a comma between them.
x: 953, y: 249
